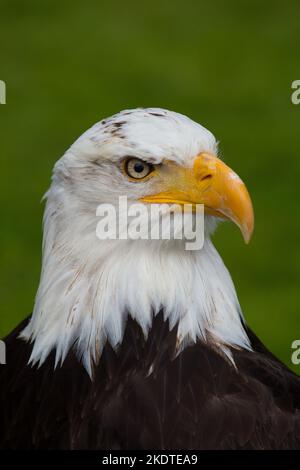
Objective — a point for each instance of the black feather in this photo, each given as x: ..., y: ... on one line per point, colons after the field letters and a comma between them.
x: 145, y: 396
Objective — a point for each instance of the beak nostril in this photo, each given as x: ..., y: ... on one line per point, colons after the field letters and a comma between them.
x: 206, y: 177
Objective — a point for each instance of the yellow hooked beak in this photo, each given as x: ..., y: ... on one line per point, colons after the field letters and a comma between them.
x: 212, y: 183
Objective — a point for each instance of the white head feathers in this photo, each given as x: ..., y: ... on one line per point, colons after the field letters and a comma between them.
x: 88, y: 286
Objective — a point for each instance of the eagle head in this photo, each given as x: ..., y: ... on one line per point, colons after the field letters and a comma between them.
x: 88, y: 286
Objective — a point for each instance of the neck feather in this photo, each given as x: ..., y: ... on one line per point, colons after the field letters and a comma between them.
x: 89, y: 288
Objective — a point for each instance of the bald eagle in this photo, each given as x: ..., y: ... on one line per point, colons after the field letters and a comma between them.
x: 137, y: 344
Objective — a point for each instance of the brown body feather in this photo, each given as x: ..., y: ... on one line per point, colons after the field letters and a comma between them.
x: 143, y: 397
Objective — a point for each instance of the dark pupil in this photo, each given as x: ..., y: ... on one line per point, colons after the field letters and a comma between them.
x: 138, y: 167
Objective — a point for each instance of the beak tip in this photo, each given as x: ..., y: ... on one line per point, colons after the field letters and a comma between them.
x: 247, y: 232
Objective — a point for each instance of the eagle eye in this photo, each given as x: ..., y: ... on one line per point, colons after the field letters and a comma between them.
x: 137, y: 169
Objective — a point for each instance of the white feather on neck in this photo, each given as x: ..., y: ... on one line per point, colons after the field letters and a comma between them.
x: 88, y: 287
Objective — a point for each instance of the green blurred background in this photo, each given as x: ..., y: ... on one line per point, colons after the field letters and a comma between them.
x: 228, y: 65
